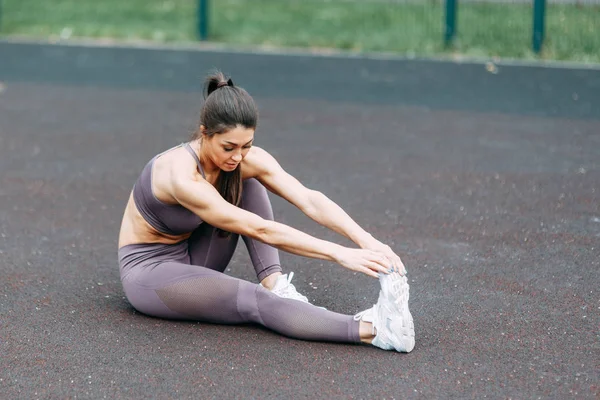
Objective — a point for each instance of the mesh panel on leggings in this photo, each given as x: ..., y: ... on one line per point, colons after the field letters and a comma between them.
x: 227, y: 300
x: 303, y: 321
x: 206, y: 298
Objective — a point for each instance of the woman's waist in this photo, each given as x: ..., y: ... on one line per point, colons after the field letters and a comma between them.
x: 144, y: 254
x: 136, y: 229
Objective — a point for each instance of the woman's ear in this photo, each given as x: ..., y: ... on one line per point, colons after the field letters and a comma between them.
x: 203, y: 131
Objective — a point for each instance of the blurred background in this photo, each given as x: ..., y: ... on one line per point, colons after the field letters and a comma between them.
x: 524, y: 29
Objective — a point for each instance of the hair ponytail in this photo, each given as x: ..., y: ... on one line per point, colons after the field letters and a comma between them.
x: 225, y: 107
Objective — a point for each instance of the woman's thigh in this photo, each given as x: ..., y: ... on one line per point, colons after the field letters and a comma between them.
x: 208, y: 249
x: 180, y: 291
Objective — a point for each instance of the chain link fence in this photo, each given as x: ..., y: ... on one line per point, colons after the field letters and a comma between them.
x: 566, y: 29
x: 487, y: 28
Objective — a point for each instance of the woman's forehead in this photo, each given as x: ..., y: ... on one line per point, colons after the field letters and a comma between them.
x: 238, y: 135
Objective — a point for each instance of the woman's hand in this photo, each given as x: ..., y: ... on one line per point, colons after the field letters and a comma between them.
x: 386, y: 251
x: 368, y: 262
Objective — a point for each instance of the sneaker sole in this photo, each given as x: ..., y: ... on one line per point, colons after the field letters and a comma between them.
x: 399, y: 300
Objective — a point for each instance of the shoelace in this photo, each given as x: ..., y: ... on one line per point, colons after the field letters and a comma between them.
x: 397, y: 288
x: 289, y: 290
x: 359, y: 316
x: 374, y: 314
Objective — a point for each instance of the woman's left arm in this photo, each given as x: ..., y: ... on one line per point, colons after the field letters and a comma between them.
x: 326, y: 212
x: 317, y: 206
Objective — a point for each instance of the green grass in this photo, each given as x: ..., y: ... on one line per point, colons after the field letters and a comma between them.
x: 123, y: 19
x: 503, y: 30
x: 346, y: 25
x: 572, y: 32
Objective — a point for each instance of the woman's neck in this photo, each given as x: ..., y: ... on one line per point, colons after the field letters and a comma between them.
x: 211, y: 171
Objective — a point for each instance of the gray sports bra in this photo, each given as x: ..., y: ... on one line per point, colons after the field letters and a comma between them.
x: 171, y: 219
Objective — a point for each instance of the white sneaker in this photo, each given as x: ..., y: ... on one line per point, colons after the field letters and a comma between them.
x: 284, y: 288
x: 390, y: 317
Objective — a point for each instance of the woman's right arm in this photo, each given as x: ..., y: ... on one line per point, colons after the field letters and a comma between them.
x: 204, y: 200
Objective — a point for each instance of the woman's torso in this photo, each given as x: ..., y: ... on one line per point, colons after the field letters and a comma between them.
x: 152, y: 215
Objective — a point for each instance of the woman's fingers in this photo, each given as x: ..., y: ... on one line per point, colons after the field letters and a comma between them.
x: 377, y: 268
x: 397, y: 264
x: 374, y: 263
x: 402, y: 268
x: 369, y: 272
x: 382, y: 261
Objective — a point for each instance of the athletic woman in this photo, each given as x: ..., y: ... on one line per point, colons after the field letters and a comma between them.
x: 190, y: 205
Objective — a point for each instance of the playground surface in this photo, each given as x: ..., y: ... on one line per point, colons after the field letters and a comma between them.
x: 486, y: 181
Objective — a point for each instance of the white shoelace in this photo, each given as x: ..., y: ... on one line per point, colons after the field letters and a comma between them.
x: 288, y: 290
x: 397, y: 287
x: 369, y: 315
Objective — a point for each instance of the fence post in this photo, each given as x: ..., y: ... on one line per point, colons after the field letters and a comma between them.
x: 202, y: 19
x: 539, y: 17
x: 450, y: 26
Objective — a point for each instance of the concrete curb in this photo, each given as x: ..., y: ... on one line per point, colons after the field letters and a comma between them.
x: 293, y: 52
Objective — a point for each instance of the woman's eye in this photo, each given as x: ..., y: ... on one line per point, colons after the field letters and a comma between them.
x: 226, y: 149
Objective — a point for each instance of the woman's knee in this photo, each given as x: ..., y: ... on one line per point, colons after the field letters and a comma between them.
x: 255, y: 199
x: 252, y: 186
x: 146, y: 301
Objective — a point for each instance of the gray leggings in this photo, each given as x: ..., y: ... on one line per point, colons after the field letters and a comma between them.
x: 186, y: 281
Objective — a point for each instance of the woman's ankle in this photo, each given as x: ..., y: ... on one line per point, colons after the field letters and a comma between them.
x: 269, y: 281
x: 365, y: 330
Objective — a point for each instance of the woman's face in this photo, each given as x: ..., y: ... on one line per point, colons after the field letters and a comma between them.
x: 227, y: 150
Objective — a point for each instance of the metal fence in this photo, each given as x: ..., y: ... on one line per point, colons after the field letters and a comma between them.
x: 503, y: 27
x: 559, y: 29
x: 513, y: 24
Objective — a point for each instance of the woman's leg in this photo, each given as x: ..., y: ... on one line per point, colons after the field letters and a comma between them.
x: 265, y: 258
x: 176, y: 290
x: 206, y: 248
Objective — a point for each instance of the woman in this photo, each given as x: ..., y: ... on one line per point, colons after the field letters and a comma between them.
x: 189, y: 206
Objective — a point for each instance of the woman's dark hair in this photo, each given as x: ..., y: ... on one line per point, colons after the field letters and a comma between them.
x: 225, y: 107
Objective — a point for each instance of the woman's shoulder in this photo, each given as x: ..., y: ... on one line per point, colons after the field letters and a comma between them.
x: 257, y: 154
x: 257, y: 161
x: 175, y: 164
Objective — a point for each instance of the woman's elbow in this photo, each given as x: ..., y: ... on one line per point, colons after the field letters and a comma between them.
x: 264, y: 231
x: 314, y: 203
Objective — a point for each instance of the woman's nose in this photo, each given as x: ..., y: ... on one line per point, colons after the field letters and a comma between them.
x: 237, y: 157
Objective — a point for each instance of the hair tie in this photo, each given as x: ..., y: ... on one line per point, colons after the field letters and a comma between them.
x: 228, y: 83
